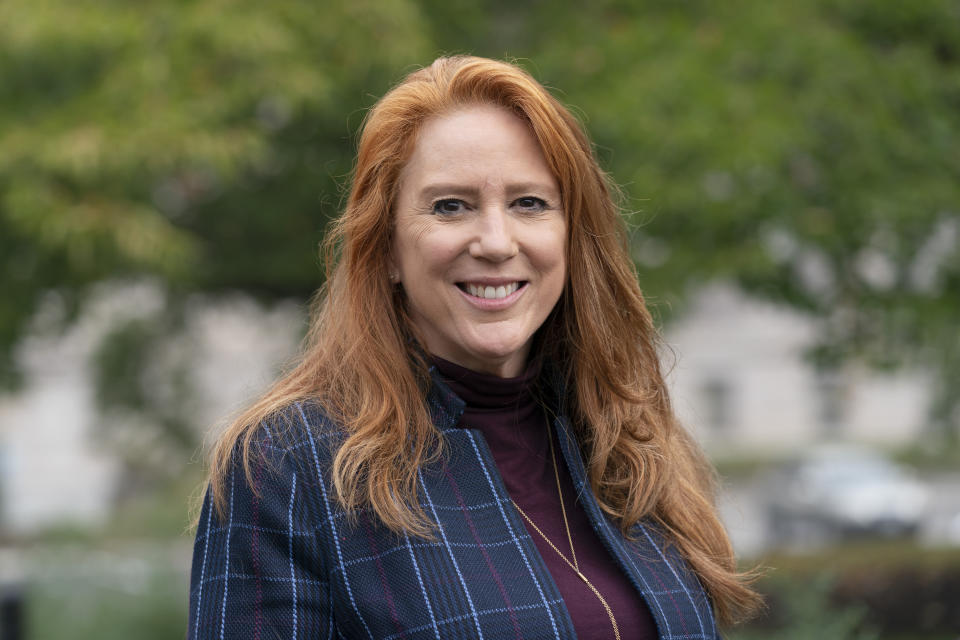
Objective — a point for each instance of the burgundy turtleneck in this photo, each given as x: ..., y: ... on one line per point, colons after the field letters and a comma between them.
x: 508, y: 414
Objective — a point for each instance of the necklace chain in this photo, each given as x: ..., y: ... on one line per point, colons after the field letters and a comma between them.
x: 572, y: 564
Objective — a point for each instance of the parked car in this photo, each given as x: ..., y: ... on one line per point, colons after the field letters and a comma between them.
x: 836, y: 492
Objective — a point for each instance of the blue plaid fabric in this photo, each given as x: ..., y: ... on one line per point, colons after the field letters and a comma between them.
x: 285, y: 562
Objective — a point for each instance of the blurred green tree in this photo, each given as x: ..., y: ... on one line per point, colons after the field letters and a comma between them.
x: 810, y: 151
x: 199, y: 144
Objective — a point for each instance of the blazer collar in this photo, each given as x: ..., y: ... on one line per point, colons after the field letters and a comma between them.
x: 446, y: 407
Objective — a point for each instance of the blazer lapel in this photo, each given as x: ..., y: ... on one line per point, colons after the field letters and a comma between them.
x: 655, y: 568
x: 483, y: 533
x: 486, y: 562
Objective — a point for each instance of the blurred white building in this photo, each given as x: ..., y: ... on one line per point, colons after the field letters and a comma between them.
x: 739, y: 382
x: 51, y: 471
x: 55, y: 466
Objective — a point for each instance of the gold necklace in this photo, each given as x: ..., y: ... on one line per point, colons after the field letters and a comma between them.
x: 572, y: 564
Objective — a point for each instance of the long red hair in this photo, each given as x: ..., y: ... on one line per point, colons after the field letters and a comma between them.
x: 361, y: 362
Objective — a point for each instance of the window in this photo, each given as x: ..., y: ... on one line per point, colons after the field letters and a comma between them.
x: 716, y: 393
x: 832, y: 398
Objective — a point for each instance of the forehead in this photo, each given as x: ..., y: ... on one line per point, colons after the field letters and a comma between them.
x: 476, y: 144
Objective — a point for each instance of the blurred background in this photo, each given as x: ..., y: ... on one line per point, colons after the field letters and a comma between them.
x: 791, y: 174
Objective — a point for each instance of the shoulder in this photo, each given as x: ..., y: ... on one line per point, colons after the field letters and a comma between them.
x: 277, y: 470
x: 298, y: 423
x: 299, y: 437
x: 292, y: 446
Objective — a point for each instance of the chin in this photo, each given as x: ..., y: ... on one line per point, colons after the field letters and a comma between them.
x: 499, y: 355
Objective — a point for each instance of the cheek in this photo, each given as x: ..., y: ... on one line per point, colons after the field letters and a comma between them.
x: 431, y: 248
x: 424, y: 261
x: 407, y: 247
x: 554, y: 250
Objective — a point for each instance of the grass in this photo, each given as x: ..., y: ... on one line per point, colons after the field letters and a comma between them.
x: 926, y: 457
x: 166, y: 513
x: 929, y: 456
x: 127, y: 579
x: 87, y: 594
x: 840, y: 593
x: 874, y: 555
x: 806, y: 613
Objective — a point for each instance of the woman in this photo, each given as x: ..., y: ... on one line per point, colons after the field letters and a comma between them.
x: 477, y: 441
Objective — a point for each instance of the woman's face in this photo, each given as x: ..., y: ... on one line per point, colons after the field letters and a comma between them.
x: 479, y: 239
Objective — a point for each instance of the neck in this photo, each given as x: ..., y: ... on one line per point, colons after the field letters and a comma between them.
x: 509, y: 366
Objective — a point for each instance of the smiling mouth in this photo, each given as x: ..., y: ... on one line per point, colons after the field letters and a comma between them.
x: 490, y: 292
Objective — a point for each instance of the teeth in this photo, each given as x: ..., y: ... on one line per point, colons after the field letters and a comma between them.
x: 492, y: 292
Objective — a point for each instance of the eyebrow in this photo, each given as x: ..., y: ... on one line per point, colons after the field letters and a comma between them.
x: 454, y: 188
x: 445, y: 189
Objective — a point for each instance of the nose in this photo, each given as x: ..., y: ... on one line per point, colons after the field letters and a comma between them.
x: 495, y: 238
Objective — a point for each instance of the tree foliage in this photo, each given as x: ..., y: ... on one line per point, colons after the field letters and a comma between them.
x: 811, y: 151
x: 203, y: 143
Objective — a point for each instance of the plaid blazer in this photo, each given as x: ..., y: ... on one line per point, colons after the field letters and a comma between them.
x: 285, y: 562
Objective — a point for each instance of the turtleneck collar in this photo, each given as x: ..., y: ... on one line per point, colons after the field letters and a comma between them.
x: 484, y: 391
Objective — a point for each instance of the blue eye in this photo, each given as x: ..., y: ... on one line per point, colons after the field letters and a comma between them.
x: 448, y: 206
x: 530, y: 203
